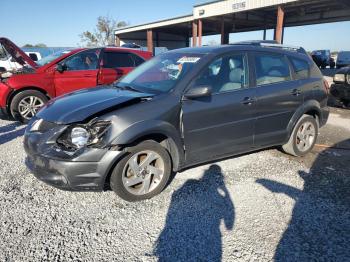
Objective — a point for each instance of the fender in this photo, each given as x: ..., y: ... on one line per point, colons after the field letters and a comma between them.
x: 154, y: 127
x: 311, y: 106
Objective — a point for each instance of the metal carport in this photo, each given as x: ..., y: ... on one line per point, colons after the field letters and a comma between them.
x: 230, y: 16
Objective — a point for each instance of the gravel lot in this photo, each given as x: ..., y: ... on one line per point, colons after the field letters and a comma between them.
x: 257, y: 207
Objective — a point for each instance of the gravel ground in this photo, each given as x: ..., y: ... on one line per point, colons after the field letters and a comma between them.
x: 257, y: 207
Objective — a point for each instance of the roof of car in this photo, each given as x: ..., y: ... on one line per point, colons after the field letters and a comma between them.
x: 249, y: 45
x: 124, y: 49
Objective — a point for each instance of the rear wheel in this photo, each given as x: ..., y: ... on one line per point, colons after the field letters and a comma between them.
x: 143, y: 173
x: 26, y: 104
x: 303, y: 137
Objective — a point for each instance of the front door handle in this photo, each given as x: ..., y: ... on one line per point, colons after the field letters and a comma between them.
x: 296, y: 92
x: 248, y: 100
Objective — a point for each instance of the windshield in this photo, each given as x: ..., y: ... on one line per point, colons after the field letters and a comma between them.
x: 344, y: 55
x: 160, y: 74
x: 49, y: 58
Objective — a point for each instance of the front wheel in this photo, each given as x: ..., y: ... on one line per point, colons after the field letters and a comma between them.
x: 26, y: 104
x: 303, y: 137
x: 142, y: 173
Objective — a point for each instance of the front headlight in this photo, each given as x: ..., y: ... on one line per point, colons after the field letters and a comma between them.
x: 80, y: 135
x: 339, y: 78
x: 348, y: 78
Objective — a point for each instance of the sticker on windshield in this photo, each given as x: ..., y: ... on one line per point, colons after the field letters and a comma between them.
x: 188, y: 59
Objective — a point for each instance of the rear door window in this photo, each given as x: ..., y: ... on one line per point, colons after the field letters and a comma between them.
x: 137, y: 60
x: 117, y: 59
x: 301, y: 67
x: 271, y: 68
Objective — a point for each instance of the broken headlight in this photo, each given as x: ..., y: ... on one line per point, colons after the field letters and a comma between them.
x: 81, y: 135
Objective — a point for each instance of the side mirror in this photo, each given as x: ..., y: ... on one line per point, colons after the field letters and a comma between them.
x: 61, y: 68
x: 198, y: 91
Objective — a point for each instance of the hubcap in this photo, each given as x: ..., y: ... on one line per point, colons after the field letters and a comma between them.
x: 29, y: 106
x: 143, y: 172
x: 305, y: 136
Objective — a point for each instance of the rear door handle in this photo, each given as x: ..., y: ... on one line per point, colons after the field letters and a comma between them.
x: 248, y: 100
x: 296, y: 92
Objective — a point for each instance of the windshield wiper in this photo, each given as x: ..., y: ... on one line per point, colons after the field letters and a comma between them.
x: 130, y: 88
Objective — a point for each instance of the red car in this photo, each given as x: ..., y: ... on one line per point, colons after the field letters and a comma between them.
x: 24, y: 92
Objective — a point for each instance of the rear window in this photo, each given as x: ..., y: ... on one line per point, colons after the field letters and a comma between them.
x: 271, y: 69
x: 301, y: 67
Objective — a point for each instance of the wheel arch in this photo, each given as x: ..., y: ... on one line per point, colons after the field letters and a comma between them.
x: 160, y: 131
x: 311, y: 108
x: 17, y: 91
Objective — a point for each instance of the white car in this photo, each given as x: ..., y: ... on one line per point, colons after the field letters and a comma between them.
x: 9, y: 64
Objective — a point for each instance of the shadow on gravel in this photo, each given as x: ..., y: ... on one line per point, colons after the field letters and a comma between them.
x: 192, y: 229
x: 319, y: 229
x: 7, y: 137
x: 7, y: 128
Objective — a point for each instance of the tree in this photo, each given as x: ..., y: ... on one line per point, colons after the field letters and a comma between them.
x: 103, y: 34
x: 37, y: 45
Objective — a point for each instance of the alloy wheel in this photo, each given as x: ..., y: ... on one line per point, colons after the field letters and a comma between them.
x: 29, y: 106
x: 305, y: 136
x: 143, y: 172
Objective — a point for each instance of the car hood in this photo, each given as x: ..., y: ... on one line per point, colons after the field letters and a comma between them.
x: 343, y: 70
x: 88, y: 103
x: 16, y: 53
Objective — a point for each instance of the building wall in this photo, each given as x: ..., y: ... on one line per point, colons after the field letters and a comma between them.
x: 232, y: 6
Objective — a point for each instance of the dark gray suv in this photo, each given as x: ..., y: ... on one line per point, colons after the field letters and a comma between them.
x: 181, y: 108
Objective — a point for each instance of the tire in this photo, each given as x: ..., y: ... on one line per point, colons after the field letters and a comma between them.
x: 141, y: 180
x: 32, y: 98
x: 345, y: 102
x: 294, y: 146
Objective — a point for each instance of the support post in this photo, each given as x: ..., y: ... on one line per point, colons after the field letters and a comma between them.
x: 117, y: 40
x: 279, y: 24
x: 200, y: 29
x: 224, y: 34
x: 264, y: 36
x: 194, y: 33
x: 150, y: 40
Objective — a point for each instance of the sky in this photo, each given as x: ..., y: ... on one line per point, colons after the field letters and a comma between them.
x: 59, y: 23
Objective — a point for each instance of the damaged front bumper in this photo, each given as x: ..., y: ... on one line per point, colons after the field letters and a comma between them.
x: 84, y: 170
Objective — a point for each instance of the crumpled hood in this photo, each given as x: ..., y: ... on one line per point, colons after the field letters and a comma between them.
x: 81, y: 105
x: 16, y: 53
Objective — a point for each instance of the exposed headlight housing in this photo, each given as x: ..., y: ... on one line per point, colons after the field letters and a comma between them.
x: 81, y: 135
x: 339, y: 78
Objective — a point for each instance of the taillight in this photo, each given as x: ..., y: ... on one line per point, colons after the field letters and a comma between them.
x: 326, y: 86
